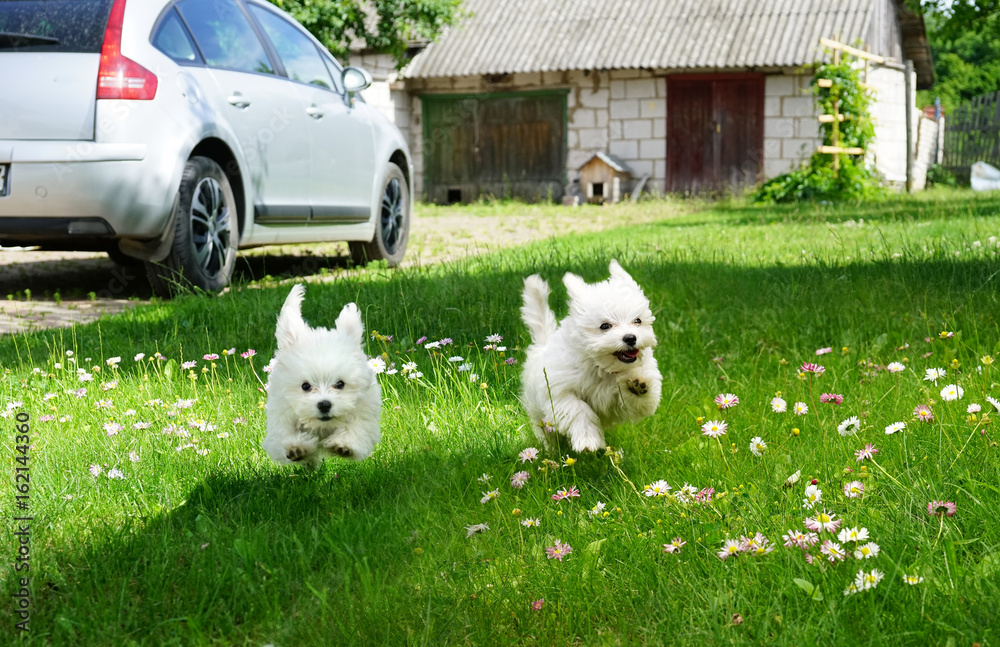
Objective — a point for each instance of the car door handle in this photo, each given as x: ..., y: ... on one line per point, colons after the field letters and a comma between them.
x: 238, y: 100
x: 314, y: 112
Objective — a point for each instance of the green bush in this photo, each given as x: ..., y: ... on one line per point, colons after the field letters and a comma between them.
x: 938, y: 175
x: 817, y: 180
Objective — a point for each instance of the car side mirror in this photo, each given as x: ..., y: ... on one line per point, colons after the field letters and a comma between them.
x: 356, y: 79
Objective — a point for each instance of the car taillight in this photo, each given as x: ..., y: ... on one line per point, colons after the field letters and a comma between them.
x: 120, y: 77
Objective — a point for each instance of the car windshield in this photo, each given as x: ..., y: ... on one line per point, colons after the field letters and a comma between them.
x: 53, y: 25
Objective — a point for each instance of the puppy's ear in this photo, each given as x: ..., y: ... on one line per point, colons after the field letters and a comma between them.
x: 574, y: 285
x: 619, y: 274
x: 349, y: 323
x: 290, y: 324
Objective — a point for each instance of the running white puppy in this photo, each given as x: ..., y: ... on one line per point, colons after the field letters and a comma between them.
x: 596, y: 368
x: 323, y: 398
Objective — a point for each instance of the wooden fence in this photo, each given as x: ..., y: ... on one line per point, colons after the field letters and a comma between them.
x: 972, y: 134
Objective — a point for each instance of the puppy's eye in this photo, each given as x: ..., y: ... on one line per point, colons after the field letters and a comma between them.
x: 605, y: 326
x: 306, y: 386
x: 637, y: 321
x: 339, y: 385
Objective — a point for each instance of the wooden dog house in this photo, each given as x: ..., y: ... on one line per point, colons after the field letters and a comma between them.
x: 602, y: 178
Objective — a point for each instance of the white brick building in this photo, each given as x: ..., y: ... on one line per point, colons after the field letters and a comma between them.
x: 693, y: 95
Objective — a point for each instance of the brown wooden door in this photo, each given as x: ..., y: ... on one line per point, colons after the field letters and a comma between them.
x: 502, y: 145
x: 715, y: 132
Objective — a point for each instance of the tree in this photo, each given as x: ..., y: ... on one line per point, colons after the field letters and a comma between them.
x: 389, y: 26
x: 964, y: 36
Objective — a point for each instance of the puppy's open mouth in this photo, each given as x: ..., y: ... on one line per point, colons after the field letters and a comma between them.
x: 326, y: 417
x: 627, y: 356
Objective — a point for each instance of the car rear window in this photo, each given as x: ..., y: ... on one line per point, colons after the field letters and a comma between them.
x: 53, y: 25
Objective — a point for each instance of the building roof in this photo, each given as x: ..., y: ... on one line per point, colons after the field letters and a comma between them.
x: 615, y: 162
x: 511, y: 36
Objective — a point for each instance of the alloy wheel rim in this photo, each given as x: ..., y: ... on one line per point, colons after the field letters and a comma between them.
x: 211, y: 228
x: 392, y: 215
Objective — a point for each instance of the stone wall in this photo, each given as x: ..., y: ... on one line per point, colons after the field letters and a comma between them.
x: 791, y: 131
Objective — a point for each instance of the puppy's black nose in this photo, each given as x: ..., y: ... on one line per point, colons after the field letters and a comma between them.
x: 629, y: 339
x: 323, y: 406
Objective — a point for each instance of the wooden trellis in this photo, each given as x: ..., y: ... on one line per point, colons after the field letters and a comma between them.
x: 836, y: 118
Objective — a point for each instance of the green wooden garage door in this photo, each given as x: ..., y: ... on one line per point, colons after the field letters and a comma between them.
x: 500, y: 145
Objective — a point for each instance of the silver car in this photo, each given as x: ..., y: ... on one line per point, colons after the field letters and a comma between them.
x: 174, y: 132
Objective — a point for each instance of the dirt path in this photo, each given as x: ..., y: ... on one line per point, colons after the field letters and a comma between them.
x: 41, y: 290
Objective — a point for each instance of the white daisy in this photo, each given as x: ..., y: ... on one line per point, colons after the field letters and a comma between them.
x: 952, y: 392
x: 757, y: 445
x: 895, y: 367
x: 849, y: 427
x: 934, y: 374
x: 778, y: 405
x: 814, y: 495
x: 377, y: 364
x: 866, y: 551
x: 894, y: 427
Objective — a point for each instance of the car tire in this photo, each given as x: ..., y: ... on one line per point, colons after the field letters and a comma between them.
x: 392, y: 226
x: 206, y: 233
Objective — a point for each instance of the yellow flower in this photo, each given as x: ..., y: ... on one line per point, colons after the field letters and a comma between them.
x: 569, y: 461
x: 700, y: 419
x: 516, y: 512
x: 418, y: 551
x: 795, y: 431
x: 987, y: 360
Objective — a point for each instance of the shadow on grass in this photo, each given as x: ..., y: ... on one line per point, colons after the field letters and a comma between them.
x: 248, y: 555
x: 77, y: 278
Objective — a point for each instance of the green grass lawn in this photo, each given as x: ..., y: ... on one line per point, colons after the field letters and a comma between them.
x: 158, y: 519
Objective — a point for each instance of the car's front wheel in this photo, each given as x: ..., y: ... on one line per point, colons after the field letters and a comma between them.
x: 392, y: 226
x: 206, y: 233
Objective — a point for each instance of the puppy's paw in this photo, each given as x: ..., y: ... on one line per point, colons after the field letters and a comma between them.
x: 296, y: 454
x: 587, y: 443
x: 340, y: 450
x: 637, y: 387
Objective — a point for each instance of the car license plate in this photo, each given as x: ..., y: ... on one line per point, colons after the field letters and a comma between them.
x: 4, y: 181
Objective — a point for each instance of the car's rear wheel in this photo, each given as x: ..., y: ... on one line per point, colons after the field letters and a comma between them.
x: 392, y: 226
x: 206, y: 233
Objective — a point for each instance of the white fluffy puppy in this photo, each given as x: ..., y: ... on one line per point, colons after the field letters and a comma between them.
x: 323, y: 398
x: 596, y: 368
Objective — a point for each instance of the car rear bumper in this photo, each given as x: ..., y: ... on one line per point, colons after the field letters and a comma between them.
x: 61, y: 192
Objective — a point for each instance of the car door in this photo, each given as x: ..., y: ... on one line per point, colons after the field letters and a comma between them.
x: 264, y: 109
x: 341, y: 139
